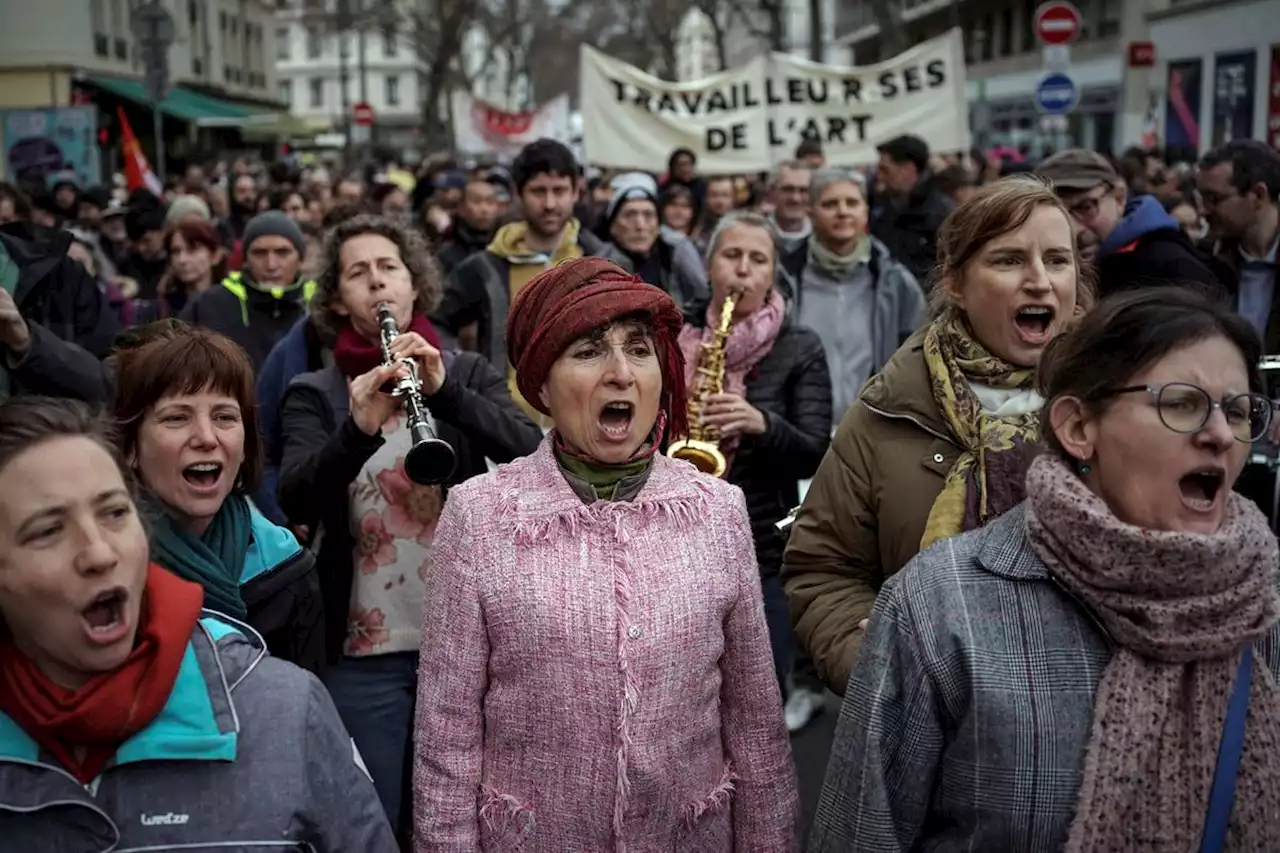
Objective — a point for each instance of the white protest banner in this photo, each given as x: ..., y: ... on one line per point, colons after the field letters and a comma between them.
x: 482, y: 129
x: 633, y: 120
x: 752, y: 118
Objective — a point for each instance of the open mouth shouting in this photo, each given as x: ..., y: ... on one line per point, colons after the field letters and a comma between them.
x: 615, y: 420
x: 1202, y: 489
x: 1034, y: 324
x: 203, y: 477
x: 105, y: 619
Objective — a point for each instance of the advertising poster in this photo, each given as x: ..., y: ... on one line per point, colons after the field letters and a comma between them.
x: 1182, y: 107
x: 48, y: 144
x: 1233, y: 89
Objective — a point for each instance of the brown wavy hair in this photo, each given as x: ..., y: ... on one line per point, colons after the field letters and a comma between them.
x: 422, y: 266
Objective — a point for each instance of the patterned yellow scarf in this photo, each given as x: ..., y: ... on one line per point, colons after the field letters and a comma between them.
x: 987, y: 479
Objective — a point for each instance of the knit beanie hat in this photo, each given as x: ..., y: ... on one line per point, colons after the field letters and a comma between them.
x: 187, y: 205
x: 570, y: 300
x: 274, y: 223
x: 631, y: 186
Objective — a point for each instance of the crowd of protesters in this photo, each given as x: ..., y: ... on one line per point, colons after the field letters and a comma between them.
x: 999, y: 471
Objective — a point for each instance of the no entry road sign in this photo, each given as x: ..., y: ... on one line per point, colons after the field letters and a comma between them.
x: 1057, y: 22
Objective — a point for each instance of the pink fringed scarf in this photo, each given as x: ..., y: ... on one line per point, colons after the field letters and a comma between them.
x: 1180, y: 607
x: 750, y: 340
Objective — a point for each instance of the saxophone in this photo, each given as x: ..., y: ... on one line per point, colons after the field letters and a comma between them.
x: 701, y: 446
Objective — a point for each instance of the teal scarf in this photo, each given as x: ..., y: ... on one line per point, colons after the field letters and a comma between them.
x: 214, y: 560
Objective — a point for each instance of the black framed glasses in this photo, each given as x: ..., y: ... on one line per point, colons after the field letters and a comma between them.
x: 1186, y: 408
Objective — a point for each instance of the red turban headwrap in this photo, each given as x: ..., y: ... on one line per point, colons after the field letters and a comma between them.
x: 577, y: 297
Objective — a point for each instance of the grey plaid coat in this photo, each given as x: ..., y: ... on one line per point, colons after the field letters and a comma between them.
x: 966, y: 717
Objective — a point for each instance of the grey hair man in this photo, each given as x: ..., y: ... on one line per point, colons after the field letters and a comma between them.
x: 789, y: 191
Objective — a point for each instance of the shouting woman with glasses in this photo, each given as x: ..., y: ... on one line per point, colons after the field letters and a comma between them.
x: 1077, y: 674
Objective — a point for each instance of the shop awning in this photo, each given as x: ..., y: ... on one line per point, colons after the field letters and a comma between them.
x: 269, y: 126
x: 182, y: 104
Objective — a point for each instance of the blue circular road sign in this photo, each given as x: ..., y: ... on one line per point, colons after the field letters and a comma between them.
x: 1057, y: 94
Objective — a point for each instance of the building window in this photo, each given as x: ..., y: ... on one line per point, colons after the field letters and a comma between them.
x: 389, y: 46
x: 286, y: 92
x: 222, y: 20
x: 282, y: 44
x: 117, y: 16
x: 317, y: 92
x: 314, y: 45
x: 193, y: 12
x: 393, y: 90
x: 1028, y: 18
x: 197, y: 66
x: 1008, y: 37
x: 101, y: 45
x: 122, y: 49
x: 1109, y: 21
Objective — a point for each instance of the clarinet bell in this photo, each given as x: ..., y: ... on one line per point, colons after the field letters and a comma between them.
x: 430, y: 462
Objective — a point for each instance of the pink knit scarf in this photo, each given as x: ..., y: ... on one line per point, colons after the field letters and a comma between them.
x: 750, y: 340
x: 1180, y: 608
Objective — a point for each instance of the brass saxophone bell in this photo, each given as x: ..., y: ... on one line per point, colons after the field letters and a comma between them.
x: 704, y: 455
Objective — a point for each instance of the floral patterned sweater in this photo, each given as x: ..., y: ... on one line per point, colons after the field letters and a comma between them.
x: 393, y: 521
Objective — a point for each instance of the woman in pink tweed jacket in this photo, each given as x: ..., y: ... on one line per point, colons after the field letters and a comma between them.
x: 595, y: 669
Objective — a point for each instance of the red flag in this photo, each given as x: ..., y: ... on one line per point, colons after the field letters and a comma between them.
x: 137, y: 171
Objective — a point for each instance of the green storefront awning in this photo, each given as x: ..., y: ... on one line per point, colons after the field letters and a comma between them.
x: 182, y: 104
x: 268, y: 127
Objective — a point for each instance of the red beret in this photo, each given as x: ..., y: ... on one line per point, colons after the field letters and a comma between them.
x: 577, y: 297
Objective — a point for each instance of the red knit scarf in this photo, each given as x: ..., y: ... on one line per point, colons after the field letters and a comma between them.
x: 356, y: 356
x: 83, y: 728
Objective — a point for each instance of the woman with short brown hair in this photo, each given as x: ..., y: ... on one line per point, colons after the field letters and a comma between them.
x: 188, y: 420
x: 937, y: 442
x: 130, y: 718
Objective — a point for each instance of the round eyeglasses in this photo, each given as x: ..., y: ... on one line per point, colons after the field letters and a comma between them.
x: 1186, y: 408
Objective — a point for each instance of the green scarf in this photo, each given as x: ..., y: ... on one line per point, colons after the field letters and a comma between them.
x: 10, y: 272
x: 214, y: 560
x: 838, y: 266
x: 603, y: 478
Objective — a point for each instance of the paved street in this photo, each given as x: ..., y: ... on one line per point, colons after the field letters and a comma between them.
x: 811, y: 749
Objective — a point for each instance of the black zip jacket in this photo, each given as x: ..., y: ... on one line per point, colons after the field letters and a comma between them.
x: 256, y: 323
x: 70, y: 322
x: 324, y: 451
x: 792, y: 388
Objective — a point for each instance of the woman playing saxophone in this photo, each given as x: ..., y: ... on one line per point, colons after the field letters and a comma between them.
x: 767, y: 403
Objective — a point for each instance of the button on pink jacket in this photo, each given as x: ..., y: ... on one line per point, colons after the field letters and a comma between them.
x: 597, y: 678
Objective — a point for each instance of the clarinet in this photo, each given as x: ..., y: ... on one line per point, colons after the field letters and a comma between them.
x: 430, y: 460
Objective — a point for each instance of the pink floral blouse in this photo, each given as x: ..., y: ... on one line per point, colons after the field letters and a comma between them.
x: 393, y: 522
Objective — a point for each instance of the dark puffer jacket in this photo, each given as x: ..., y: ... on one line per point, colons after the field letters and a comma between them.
x: 792, y: 388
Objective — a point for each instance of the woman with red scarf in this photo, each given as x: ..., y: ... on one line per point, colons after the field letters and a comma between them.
x: 129, y: 719
x: 343, y: 472
x: 595, y: 661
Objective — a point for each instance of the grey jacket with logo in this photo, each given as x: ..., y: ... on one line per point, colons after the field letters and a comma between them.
x: 247, y: 756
